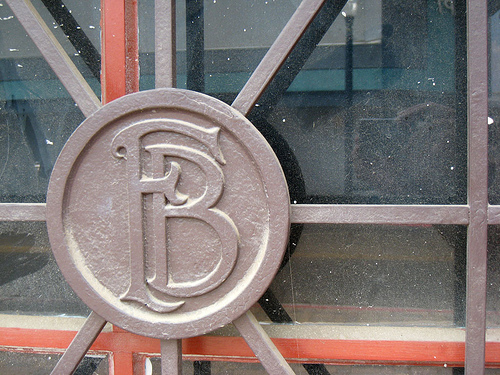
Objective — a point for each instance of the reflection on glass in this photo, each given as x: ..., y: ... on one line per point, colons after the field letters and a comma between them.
x: 230, y: 368
x: 36, y: 113
x: 493, y: 277
x: 494, y: 102
x: 30, y: 281
x: 411, y: 275
x: 375, y: 114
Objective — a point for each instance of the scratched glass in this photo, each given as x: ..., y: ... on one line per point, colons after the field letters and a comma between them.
x: 373, y: 275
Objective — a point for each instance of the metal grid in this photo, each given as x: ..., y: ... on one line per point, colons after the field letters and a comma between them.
x: 477, y: 214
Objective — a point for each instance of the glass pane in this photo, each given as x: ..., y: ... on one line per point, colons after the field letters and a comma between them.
x: 14, y: 363
x: 376, y: 112
x: 219, y: 42
x: 230, y: 368
x: 410, y: 275
x: 494, y: 102
x: 493, y: 277
x: 36, y: 115
x: 30, y: 281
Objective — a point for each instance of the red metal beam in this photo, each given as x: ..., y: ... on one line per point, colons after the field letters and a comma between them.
x: 124, y: 345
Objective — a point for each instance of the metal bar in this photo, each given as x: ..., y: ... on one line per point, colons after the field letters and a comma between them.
x: 380, y: 214
x: 277, y: 54
x: 317, y: 213
x: 62, y: 15
x: 131, y: 47
x: 22, y: 211
x: 264, y: 349
x: 171, y: 357
x: 477, y: 73
x: 165, y: 46
x: 494, y: 215
x: 55, y: 56
x: 195, y: 45
x: 80, y: 345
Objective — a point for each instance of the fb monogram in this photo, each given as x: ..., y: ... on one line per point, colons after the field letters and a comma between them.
x: 156, y: 289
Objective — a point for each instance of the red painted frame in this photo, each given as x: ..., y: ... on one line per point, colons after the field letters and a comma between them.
x: 128, y: 350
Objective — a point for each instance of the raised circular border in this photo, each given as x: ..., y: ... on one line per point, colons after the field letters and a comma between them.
x: 272, y: 178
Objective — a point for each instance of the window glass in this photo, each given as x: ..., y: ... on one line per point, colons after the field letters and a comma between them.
x: 367, y: 274
x: 36, y: 113
x: 494, y: 102
x: 14, y: 363
x: 229, y: 368
x: 493, y: 277
x: 376, y: 114
x: 30, y: 281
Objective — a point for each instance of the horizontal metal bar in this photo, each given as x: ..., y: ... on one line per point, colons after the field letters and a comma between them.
x: 22, y: 211
x: 380, y: 214
x: 318, y: 213
x: 493, y: 215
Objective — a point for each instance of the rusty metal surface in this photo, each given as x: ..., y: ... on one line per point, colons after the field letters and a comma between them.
x: 80, y: 345
x: 477, y: 25
x: 168, y: 213
x: 165, y: 46
x: 55, y: 56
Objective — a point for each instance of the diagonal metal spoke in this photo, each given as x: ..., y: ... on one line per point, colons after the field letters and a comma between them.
x: 55, y: 56
x: 165, y: 48
x: 80, y: 345
x: 262, y: 346
x: 277, y: 54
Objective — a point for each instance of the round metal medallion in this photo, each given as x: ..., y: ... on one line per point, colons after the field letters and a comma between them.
x: 168, y: 213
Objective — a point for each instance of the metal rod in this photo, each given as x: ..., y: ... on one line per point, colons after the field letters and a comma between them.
x: 55, y: 56
x: 319, y: 213
x: 380, y: 214
x: 477, y: 72
x: 80, y: 345
x: 171, y: 357
x: 22, y: 211
x: 165, y: 46
x: 277, y: 54
x: 62, y: 15
x: 262, y: 346
x: 195, y: 45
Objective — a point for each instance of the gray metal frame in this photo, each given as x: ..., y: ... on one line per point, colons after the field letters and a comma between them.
x: 477, y: 214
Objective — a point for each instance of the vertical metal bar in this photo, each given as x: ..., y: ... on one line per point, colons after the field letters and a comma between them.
x: 131, y: 47
x: 79, y: 346
x: 477, y: 62
x: 348, y: 125
x: 195, y: 45
x: 262, y: 346
x: 165, y: 46
x: 171, y: 357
